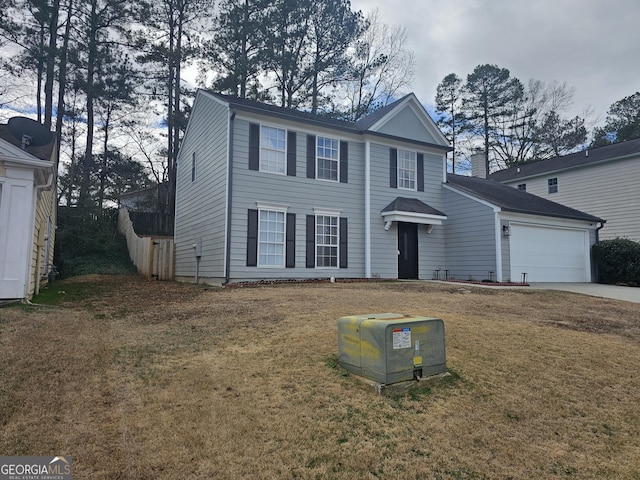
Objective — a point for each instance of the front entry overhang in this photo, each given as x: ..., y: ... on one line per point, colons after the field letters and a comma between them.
x: 411, y: 210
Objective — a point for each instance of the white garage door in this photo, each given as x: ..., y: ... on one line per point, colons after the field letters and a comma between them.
x: 549, y: 254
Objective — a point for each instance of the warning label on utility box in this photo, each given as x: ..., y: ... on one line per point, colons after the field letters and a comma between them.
x: 401, y: 338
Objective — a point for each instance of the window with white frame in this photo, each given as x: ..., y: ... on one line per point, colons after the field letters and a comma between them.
x: 272, y: 150
x: 407, y: 166
x: 271, y: 238
x: 327, y: 238
x: 327, y: 157
x: 552, y: 183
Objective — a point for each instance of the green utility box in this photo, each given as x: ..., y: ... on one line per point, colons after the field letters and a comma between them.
x: 391, y: 347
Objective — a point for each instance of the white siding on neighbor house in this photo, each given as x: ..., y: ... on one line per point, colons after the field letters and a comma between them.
x: 300, y: 195
x: 44, y: 238
x: 201, y: 205
x: 384, y: 244
x: 470, y: 238
x: 607, y: 190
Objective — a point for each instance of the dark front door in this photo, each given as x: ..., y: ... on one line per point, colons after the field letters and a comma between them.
x: 408, y: 248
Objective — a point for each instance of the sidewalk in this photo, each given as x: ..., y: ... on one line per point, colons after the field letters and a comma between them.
x: 629, y: 294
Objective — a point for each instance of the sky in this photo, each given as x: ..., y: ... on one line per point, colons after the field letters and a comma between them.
x: 592, y: 45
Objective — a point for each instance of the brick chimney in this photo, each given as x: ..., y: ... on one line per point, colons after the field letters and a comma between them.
x: 478, y: 165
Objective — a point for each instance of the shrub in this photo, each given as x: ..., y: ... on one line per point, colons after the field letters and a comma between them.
x: 90, y: 244
x: 618, y: 261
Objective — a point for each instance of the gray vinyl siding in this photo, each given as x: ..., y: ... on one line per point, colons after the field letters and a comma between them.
x: 300, y: 195
x: 201, y: 205
x: 406, y: 124
x: 470, y: 238
x: 607, y: 190
x: 384, y: 244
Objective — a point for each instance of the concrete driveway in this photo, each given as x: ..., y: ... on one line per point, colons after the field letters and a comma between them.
x: 629, y: 294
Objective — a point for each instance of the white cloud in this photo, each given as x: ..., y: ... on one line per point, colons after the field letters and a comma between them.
x: 592, y: 45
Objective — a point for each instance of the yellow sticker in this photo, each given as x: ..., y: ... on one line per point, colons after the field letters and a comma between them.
x: 417, y: 361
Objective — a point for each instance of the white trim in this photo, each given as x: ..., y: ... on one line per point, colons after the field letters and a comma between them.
x: 367, y: 209
x: 413, y: 217
x: 327, y: 212
x: 498, y: 242
x: 284, y: 237
x: 276, y: 207
x: 337, y: 160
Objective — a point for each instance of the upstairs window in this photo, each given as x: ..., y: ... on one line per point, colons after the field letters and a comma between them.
x: 327, y: 154
x: 407, y: 167
x: 272, y: 150
x: 523, y: 187
x: 553, y: 185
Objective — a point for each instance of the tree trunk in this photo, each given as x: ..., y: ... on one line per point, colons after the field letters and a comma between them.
x: 51, y: 60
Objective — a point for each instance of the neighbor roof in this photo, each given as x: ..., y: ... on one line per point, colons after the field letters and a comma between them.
x: 360, y: 127
x: 43, y: 152
x: 513, y: 200
x: 565, y: 162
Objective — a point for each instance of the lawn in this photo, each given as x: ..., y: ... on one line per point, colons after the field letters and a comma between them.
x: 159, y: 380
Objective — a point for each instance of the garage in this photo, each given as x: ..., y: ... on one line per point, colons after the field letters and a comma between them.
x: 549, y: 254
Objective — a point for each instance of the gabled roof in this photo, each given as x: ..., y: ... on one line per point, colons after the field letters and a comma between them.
x: 411, y: 210
x: 411, y: 205
x: 566, y: 162
x: 513, y: 200
x: 360, y: 128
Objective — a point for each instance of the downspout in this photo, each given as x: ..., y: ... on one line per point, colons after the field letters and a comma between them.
x: 367, y: 209
x: 593, y: 260
x: 37, y: 191
x: 227, y: 262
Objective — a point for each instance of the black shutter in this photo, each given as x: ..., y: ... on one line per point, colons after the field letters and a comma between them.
x: 291, y: 241
x: 344, y: 162
x: 311, y: 156
x: 252, y: 238
x: 291, y: 154
x: 343, y: 243
x: 254, y: 146
x: 393, y: 168
x: 420, y: 172
x: 311, y: 241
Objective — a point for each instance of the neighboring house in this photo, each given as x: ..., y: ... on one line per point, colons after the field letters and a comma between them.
x: 150, y: 200
x: 269, y: 193
x: 602, y: 181
x: 27, y: 207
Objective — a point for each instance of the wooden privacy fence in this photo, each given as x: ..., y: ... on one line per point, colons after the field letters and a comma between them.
x: 153, y: 256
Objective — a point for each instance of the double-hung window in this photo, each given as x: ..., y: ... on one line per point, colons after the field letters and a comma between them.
x: 271, y: 238
x: 272, y: 150
x: 327, y: 154
x: 407, y: 167
x: 552, y: 183
x: 327, y: 241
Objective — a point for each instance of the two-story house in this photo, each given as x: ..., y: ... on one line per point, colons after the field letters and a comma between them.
x: 265, y: 192
x: 602, y: 181
x: 27, y: 207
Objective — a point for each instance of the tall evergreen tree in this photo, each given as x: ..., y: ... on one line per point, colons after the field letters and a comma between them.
x: 449, y: 103
x: 169, y: 41
x: 622, y: 123
x: 490, y: 92
x: 236, y: 51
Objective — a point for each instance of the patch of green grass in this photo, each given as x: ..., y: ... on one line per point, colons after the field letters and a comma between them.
x: 61, y: 292
x: 332, y: 362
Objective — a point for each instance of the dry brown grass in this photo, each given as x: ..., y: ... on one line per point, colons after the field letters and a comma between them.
x: 142, y: 380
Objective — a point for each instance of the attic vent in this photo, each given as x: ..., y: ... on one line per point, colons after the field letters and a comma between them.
x: 586, y: 153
